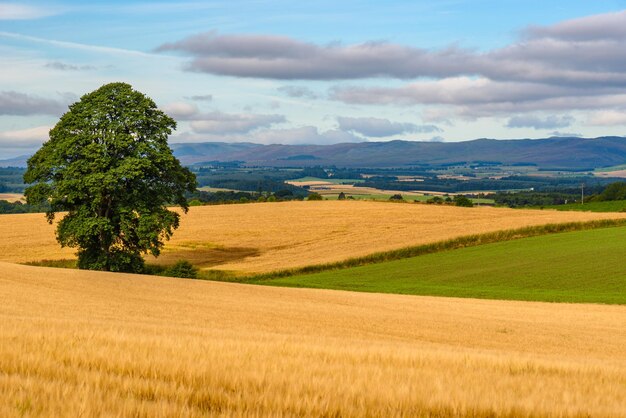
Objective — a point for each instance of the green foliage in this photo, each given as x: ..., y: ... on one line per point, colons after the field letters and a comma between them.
x: 65, y: 263
x: 520, y: 269
x: 11, y: 180
x: 396, y: 197
x: 315, y: 196
x: 460, y: 200
x: 108, y: 165
x: 183, y: 269
x: 436, y: 200
x: 342, y: 196
x: 614, y: 191
x: 19, y: 207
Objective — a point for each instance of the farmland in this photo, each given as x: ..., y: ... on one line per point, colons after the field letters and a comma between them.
x: 581, y: 266
x: 89, y: 343
x: 263, y: 237
x: 12, y: 197
x: 608, y: 206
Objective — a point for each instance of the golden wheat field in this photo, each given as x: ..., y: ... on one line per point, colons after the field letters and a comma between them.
x: 12, y: 197
x: 269, y: 236
x: 75, y: 343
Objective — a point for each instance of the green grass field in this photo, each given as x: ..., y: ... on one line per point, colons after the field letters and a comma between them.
x: 583, y: 267
x: 609, y: 206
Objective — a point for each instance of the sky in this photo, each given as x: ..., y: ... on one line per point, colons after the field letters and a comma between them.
x: 321, y: 72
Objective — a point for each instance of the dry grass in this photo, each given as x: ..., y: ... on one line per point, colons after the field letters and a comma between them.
x: 264, y: 237
x: 12, y: 197
x: 327, y: 188
x: 615, y: 174
x: 76, y: 343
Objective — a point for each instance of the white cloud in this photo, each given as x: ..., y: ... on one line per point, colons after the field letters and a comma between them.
x: 304, y: 135
x: 22, y: 104
x: 538, y: 122
x: 14, y: 11
x: 181, y: 110
x: 608, y: 118
x: 226, y: 123
x: 380, y: 128
x: 24, y: 138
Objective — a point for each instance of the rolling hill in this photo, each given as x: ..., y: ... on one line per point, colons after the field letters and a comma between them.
x: 264, y: 237
x: 582, y: 266
x: 84, y: 343
x: 550, y: 153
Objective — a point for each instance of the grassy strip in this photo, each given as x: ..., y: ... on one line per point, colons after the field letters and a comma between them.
x: 605, y: 206
x: 452, y: 244
x: 64, y: 264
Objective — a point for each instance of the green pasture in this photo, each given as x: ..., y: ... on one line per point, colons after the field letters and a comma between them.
x: 608, y: 206
x: 586, y: 266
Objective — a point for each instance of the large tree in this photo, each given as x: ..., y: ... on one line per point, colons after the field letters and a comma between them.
x: 108, y: 165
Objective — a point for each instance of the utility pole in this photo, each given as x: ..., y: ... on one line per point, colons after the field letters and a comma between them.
x: 582, y: 193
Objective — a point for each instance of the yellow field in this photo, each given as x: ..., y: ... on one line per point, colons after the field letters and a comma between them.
x: 12, y: 197
x: 327, y: 188
x: 616, y: 173
x: 268, y: 236
x: 75, y: 343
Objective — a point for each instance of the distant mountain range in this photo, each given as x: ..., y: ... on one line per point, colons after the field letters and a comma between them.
x: 555, y: 153
x: 15, y: 162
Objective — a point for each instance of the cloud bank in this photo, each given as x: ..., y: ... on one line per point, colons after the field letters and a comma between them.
x: 20, y: 104
x: 219, y: 122
x: 571, y: 65
x: 380, y: 128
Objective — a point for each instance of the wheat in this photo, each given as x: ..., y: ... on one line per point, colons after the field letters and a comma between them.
x: 76, y: 343
x: 256, y: 238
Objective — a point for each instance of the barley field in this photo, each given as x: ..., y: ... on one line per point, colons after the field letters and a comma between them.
x: 76, y: 343
x: 12, y: 197
x: 263, y: 237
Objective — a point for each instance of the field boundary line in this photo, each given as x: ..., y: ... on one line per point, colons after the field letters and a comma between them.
x: 435, y: 247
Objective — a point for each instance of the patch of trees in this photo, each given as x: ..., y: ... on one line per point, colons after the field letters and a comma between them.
x: 7, y: 207
x: 507, y: 183
x: 200, y: 197
x: 253, y: 180
x: 318, y: 172
x: 552, y: 197
x: 524, y: 199
x: 11, y: 180
x: 614, y: 191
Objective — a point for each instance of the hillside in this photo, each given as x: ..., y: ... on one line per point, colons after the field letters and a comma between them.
x: 555, y: 153
x: 103, y: 344
x: 549, y: 153
x: 570, y: 271
x: 262, y: 237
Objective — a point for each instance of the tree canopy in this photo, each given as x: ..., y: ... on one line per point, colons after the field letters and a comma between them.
x: 108, y: 165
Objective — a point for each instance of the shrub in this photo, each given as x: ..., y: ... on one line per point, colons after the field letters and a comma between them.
x: 460, y: 200
x: 342, y: 196
x: 437, y: 200
x: 396, y: 197
x: 182, y: 268
x: 315, y: 196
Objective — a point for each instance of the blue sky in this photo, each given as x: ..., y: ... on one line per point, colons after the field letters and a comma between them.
x: 273, y: 71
